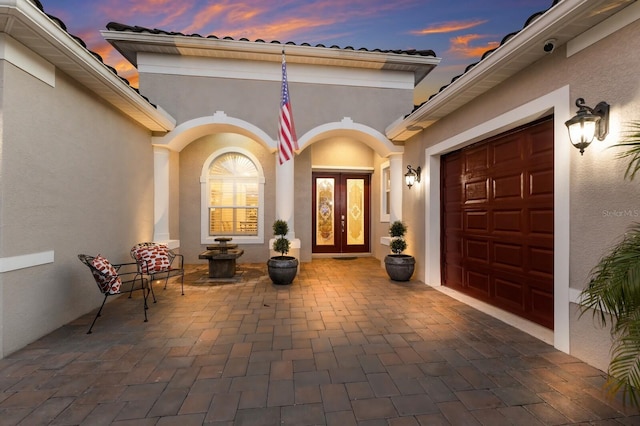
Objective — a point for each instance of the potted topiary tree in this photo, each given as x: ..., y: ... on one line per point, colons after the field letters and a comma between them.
x: 399, y: 266
x: 282, y: 269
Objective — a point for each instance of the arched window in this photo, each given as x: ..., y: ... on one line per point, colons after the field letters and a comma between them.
x: 232, y: 197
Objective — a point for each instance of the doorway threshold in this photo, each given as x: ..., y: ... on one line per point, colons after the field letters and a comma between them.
x: 338, y: 255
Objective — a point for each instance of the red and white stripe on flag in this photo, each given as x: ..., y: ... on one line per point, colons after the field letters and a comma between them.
x: 287, y: 140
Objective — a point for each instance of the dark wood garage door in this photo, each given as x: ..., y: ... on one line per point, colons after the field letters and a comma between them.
x: 497, y: 221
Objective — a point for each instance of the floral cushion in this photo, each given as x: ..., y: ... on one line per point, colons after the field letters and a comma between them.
x: 106, y: 275
x: 152, y: 258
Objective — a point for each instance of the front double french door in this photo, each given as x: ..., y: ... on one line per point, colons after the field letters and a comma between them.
x: 341, y: 212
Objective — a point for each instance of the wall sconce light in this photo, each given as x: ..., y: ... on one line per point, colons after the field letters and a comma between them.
x: 587, y: 124
x: 412, y: 176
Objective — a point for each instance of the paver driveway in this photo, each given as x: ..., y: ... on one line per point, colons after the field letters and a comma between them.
x: 342, y: 345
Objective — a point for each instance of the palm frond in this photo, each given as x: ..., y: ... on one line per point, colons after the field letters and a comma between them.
x: 614, y: 285
x: 630, y: 141
x: 624, y: 368
x: 614, y: 289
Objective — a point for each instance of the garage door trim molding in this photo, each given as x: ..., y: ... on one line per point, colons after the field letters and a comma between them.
x: 556, y: 102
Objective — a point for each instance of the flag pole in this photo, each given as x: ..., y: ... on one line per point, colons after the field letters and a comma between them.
x: 287, y: 144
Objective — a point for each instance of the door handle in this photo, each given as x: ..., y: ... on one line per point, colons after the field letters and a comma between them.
x: 342, y: 222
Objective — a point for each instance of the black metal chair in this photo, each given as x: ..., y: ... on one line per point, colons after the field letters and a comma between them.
x: 110, y: 280
x: 157, y: 262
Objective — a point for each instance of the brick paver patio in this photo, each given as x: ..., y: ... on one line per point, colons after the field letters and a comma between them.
x: 342, y: 345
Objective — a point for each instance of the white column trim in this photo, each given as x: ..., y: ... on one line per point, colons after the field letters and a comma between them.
x: 161, y: 194
x: 285, y: 193
x: 397, y: 180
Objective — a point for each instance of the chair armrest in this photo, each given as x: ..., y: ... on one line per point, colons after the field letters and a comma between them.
x: 117, y: 266
x: 180, y: 261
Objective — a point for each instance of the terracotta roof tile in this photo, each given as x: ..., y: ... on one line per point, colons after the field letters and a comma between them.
x: 506, y: 38
x: 81, y: 42
x: 116, y: 26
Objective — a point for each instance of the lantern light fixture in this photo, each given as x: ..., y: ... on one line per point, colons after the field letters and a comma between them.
x: 587, y: 124
x: 412, y: 176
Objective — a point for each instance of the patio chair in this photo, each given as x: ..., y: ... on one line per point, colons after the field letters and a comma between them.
x: 110, y: 281
x: 158, y: 262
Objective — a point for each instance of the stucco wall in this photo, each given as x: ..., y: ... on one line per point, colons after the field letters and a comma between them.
x: 347, y: 154
x: 602, y: 204
x: 338, y: 152
x: 192, y: 159
x: 77, y: 177
x: 257, y: 102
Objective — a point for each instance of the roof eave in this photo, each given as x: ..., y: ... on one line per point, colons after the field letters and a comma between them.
x: 523, y: 49
x: 129, y: 44
x: 27, y: 24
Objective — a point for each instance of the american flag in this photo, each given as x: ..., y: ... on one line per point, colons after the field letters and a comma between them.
x: 287, y: 141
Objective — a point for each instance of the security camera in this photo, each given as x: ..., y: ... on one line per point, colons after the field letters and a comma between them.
x: 549, y: 45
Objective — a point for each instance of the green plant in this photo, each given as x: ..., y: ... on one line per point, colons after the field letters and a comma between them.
x: 397, y: 231
x: 631, y: 144
x: 280, y: 230
x: 398, y: 245
x: 613, y: 292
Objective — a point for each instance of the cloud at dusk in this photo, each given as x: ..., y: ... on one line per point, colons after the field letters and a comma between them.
x: 448, y: 27
x: 456, y: 30
x: 461, y: 46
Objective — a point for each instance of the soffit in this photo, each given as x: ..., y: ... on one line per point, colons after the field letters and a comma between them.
x: 47, y: 36
x: 563, y: 22
x: 130, y: 41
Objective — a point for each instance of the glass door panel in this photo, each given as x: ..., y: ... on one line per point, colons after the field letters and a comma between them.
x: 340, y: 213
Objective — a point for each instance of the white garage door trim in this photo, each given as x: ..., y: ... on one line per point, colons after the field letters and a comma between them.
x: 557, y: 102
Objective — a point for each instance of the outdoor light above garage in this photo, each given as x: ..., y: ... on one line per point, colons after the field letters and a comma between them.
x: 412, y: 176
x: 587, y: 124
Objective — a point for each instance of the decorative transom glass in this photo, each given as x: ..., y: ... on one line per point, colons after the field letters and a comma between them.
x: 233, y: 195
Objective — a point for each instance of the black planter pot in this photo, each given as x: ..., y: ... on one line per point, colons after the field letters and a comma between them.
x: 399, y: 267
x: 282, y: 269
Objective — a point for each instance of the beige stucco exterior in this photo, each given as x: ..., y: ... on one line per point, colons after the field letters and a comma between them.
x: 80, y: 149
x: 601, y: 203
x: 253, y: 105
x: 76, y: 178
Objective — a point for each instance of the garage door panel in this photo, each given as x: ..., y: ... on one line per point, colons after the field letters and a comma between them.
x: 506, y: 208
x: 453, y: 246
x: 541, y: 183
x: 478, y: 282
x: 542, y: 307
x: 541, y: 221
x: 508, y: 256
x: 453, y: 194
x: 509, y: 187
x: 508, y: 149
x: 509, y: 293
x: 453, y: 274
x: 476, y: 221
x: 454, y: 221
x: 476, y: 250
x: 541, y: 261
x: 508, y: 220
x: 476, y: 159
x: 476, y: 191
x: 541, y: 143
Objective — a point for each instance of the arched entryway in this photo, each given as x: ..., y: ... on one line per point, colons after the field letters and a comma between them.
x: 346, y: 161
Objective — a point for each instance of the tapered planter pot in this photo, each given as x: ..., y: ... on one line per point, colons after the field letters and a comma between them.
x: 282, y: 269
x: 399, y: 267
